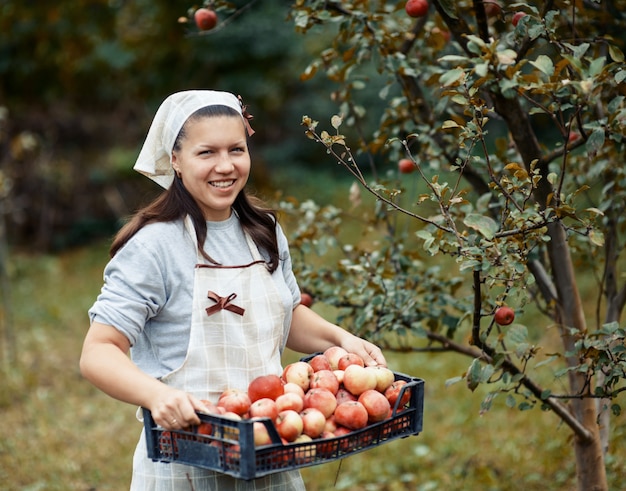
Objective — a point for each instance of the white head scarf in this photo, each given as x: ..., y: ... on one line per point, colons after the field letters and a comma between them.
x: 155, y: 158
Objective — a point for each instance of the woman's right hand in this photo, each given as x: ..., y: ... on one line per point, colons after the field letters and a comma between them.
x: 174, y: 409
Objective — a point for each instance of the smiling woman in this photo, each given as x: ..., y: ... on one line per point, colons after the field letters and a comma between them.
x: 200, y: 289
x: 213, y: 163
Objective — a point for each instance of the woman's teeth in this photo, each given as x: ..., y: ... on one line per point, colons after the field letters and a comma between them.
x: 222, y: 184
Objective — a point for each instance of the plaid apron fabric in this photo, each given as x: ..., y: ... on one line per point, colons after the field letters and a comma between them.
x: 236, y: 335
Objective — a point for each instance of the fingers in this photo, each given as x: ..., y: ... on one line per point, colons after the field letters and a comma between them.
x: 176, y: 410
x: 371, y: 354
x: 374, y: 355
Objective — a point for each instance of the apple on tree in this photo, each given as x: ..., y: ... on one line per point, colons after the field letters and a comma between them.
x: 416, y: 8
x: 492, y: 8
x: 206, y: 19
x: 306, y: 299
x: 406, y: 166
x: 504, y: 315
x: 517, y: 17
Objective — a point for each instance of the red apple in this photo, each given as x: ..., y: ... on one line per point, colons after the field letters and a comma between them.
x: 289, y: 425
x: 393, y: 393
x: 573, y: 136
x: 330, y: 426
x: 231, y: 432
x: 319, y: 362
x: 209, y: 407
x: 261, y: 435
x: 306, y: 299
x: 205, y: 428
x: 358, y: 379
x: 406, y: 166
x: 300, y: 373
x: 333, y: 354
x: 492, y: 8
x: 384, y: 377
x: 235, y: 400
x: 266, y: 386
x: 326, y: 449
x: 295, y: 388
x: 344, y: 395
x: 516, y: 17
x: 416, y: 8
x: 205, y: 19
x: 376, y: 405
x: 504, y: 315
x: 350, y: 359
x: 304, y: 453
x: 352, y: 415
x: 290, y: 400
x: 344, y: 444
x: 322, y: 399
x: 264, y: 408
x: 339, y: 374
x: 325, y: 379
x: 313, y: 422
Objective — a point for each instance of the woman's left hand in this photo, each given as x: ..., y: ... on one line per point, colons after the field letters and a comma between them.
x: 371, y: 354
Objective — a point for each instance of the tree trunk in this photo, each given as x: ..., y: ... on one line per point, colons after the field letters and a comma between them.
x: 590, y: 468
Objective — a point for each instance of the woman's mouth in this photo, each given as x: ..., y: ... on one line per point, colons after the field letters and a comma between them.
x: 222, y: 184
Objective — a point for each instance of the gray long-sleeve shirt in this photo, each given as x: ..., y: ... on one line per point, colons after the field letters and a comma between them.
x: 148, y: 287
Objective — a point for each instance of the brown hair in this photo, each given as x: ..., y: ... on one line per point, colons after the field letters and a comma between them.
x: 176, y: 203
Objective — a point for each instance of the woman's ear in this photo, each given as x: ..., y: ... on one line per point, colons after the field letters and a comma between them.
x: 175, y: 164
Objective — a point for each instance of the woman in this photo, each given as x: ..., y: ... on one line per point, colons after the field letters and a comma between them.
x: 199, y: 288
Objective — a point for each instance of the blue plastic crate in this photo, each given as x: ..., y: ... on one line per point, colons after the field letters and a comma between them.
x: 230, y: 449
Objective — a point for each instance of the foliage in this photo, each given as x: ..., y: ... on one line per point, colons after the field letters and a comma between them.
x: 80, y: 77
x: 517, y: 134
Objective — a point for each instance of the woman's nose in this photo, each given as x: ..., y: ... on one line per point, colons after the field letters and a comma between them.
x: 225, y: 163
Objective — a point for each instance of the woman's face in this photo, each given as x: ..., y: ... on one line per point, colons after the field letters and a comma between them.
x: 213, y: 163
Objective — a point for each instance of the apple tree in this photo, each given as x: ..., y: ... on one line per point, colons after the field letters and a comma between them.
x: 514, y: 118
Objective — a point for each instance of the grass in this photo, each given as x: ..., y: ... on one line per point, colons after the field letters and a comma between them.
x: 60, y: 433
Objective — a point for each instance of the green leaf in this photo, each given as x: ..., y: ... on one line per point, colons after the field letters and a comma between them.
x: 449, y: 124
x: 616, y: 53
x: 596, y: 66
x: 485, y: 225
x: 454, y: 58
x: 596, y: 237
x: 545, y: 394
x: 517, y: 334
x: 451, y: 76
x: 544, y: 64
x: 595, y: 140
x: 452, y: 381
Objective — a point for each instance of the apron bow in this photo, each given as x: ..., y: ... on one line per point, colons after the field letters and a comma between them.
x: 223, y: 303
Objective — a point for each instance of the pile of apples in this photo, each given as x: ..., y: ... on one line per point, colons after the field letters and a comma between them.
x: 330, y: 395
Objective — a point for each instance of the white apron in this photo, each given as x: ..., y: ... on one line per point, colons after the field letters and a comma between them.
x: 236, y: 335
